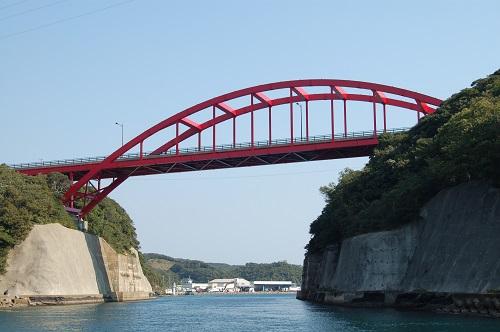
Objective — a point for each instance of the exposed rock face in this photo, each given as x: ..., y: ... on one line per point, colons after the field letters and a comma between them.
x: 453, y: 249
x: 57, y: 261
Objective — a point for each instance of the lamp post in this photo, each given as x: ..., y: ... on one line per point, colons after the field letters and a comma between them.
x: 121, y: 125
x: 300, y: 105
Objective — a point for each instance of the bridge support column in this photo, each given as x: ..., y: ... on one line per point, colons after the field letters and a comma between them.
x: 213, y: 128
x: 177, y: 138
x: 307, y: 121
x: 80, y: 223
x: 385, y: 121
x: 251, y: 120
x: 234, y: 132
x: 83, y: 225
x: 332, y: 114
x: 291, y: 117
x: 345, y: 118
x: 270, y: 126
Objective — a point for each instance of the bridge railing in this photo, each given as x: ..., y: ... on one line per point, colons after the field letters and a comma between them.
x: 218, y: 148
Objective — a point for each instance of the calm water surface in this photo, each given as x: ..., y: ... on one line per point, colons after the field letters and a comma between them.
x: 231, y: 313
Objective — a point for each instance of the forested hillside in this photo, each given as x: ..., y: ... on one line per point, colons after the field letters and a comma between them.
x: 459, y: 143
x: 174, y: 269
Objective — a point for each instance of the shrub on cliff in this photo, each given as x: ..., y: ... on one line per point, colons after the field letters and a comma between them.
x: 459, y: 143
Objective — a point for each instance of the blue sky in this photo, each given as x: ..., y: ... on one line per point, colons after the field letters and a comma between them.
x: 82, y: 67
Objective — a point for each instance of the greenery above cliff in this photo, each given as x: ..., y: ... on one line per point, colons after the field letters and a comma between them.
x: 458, y: 143
x: 174, y: 269
x: 25, y: 201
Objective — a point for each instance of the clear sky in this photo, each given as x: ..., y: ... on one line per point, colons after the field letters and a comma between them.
x: 70, y: 69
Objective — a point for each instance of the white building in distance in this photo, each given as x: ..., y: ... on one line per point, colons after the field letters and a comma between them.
x: 275, y: 286
x: 187, y: 285
x: 230, y: 285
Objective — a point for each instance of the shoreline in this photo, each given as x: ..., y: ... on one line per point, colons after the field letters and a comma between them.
x: 11, y: 302
x: 478, y: 305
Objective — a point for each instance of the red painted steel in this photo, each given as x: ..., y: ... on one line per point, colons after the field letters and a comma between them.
x: 118, y: 167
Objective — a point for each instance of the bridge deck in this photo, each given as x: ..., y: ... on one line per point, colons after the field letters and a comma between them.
x: 354, y: 144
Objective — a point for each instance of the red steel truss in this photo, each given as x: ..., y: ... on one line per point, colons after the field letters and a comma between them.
x: 86, y: 174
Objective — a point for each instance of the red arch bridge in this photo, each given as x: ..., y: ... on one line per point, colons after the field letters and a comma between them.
x: 94, y: 178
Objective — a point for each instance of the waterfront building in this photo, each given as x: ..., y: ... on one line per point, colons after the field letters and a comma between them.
x: 186, y: 284
x: 274, y: 286
x: 219, y: 284
x: 199, y: 286
x: 229, y: 285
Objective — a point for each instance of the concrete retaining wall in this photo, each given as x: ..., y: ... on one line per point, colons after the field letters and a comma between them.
x: 55, y: 261
x: 453, y: 249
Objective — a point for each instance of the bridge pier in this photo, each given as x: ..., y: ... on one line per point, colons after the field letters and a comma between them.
x: 83, y: 225
x: 80, y: 223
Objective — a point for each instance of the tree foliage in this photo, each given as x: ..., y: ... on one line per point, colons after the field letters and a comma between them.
x: 458, y: 143
x: 270, y: 271
x: 25, y: 201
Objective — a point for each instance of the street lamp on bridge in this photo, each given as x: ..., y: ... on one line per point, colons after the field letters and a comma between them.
x: 121, y: 125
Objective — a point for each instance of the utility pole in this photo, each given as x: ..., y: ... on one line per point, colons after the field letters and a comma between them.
x: 121, y: 125
x: 300, y: 105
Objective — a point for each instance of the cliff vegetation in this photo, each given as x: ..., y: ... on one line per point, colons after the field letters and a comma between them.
x: 459, y: 143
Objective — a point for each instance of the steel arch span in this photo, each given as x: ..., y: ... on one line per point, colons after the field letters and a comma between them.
x: 168, y: 157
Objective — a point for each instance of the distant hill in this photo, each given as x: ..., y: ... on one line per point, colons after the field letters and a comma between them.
x: 174, y: 269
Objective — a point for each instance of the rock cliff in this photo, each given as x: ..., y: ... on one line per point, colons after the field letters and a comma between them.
x: 55, y: 263
x: 449, y: 258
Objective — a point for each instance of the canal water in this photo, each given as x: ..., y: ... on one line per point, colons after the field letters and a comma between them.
x: 232, y: 313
